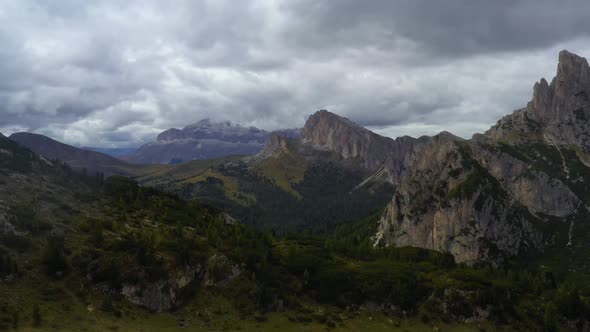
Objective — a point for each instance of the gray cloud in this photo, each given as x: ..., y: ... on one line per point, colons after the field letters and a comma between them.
x: 451, y: 28
x: 112, y: 73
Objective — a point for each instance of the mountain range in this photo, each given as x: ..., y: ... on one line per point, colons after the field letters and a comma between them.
x: 203, y: 140
x: 344, y: 217
x: 511, y: 190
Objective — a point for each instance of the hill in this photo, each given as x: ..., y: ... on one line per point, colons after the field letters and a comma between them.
x: 78, y: 159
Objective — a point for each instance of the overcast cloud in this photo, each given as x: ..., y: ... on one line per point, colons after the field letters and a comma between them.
x: 116, y: 73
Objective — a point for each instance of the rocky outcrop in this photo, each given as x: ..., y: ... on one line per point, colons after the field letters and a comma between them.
x: 6, y: 226
x: 275, y: 143
x: 221, y: 271
x: 163, y: 294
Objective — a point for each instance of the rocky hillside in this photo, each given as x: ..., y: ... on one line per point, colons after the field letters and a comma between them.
x: 518, y: 188
x: 203, y: 140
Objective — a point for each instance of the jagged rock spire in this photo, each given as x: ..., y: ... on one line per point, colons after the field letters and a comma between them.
x: 569, y: 90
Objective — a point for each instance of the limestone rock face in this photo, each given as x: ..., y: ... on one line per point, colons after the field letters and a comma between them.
x: 381, y: 155
x: 568, y: 91
x: 275, y: 143
x: 530, y: 187
x: 329, y: 131
x: 474, y: 198
x: 449, y: 202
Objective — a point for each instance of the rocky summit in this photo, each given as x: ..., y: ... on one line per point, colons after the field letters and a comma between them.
x: 557, y: 110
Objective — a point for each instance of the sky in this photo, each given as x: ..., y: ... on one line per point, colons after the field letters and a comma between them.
x: 116, y: 73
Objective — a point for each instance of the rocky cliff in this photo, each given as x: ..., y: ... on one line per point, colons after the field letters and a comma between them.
x: 327, y: 131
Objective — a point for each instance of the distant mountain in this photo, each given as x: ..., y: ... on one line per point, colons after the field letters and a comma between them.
x: 113, y: 152
x: 203, y: 140
x: 76, y: 158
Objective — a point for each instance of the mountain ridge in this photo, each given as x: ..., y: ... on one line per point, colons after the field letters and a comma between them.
x: 202, y: 140
x: 78, y: 158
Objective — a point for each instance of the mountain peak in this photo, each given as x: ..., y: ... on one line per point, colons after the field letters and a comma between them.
x: 325, y: 128
x: 202, y: 140
x: 568, y: 91
x: 568, y: 60
x: 326, y: 117
x: 329, y: 131
x: 208, y: 123
x: 573, y: 76
x: 204, y: 122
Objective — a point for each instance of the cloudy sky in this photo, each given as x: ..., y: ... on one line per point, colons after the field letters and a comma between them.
x: 116, y: 73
